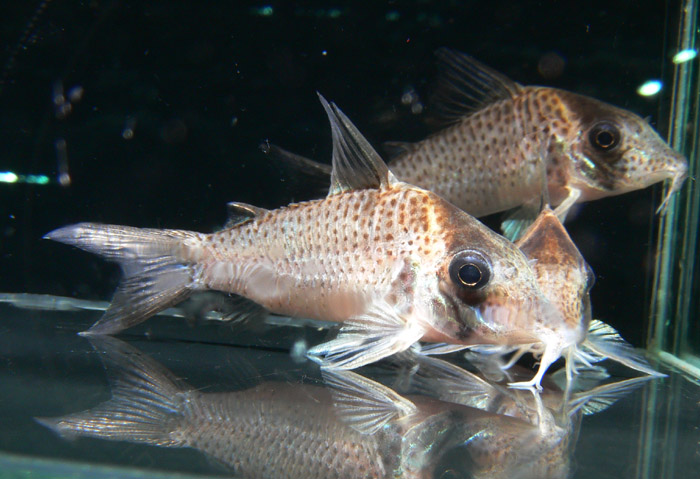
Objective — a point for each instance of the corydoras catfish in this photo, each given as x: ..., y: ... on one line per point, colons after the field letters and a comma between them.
x: 356, y: 428
x: 394, y: 263
x: 488, y: 159
x: 565, y: 278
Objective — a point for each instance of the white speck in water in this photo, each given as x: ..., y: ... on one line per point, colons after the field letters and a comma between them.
x: 128, y: 131
x: 75, y: 94
x: 64, y: 179
x: 650, y: 88
x: 58, y: 97
x: 234, y: 121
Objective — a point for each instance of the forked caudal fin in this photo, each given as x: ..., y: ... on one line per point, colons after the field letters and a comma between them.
x: 154, y: 277
x: 147, y: 401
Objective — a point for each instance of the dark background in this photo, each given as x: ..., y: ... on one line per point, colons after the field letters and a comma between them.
x: 201, y: 84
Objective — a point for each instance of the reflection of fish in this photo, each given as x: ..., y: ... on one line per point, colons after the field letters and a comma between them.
x: 358, y: 429
x: 488, y: 159
x: 555, y: 412
x: 395, y: 263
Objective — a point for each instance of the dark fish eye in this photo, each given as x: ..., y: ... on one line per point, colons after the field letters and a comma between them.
x: 469, y: 269
x: 604, y: 136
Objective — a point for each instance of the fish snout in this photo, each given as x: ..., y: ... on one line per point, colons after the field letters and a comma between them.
x: 677, y: 172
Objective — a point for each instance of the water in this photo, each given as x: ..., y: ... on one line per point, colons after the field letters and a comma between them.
x: 149, y: 114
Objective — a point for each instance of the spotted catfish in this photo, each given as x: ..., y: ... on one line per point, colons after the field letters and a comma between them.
x: 394, y: 263
x: 565, y: 278
x: 488, y: 159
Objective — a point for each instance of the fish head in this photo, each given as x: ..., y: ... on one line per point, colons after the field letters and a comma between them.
x: 616, y: 151
x: 488, y: 293
x: 562, y: 273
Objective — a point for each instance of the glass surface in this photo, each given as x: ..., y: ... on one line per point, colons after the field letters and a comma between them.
x: 151, y: 113
x: 675, y: 295
x: 588, y: 435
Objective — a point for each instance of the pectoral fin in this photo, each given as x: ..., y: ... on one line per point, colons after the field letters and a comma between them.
x: 517, y: 221
x: 437, y: 349
x: 376, y: 334
x: 605, y: 342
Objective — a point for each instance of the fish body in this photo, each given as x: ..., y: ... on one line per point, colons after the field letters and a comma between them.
x: 491, y: 160
x: 502, y: 135
x: 394, y: 263
x: 566, y: 279
x: 354, y: 428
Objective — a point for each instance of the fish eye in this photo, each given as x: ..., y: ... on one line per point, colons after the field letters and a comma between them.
x: 469, y: 269
x: 604, y: 136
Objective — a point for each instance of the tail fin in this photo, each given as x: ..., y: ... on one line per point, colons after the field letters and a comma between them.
x: 146, y: 405
x: 154, y: 278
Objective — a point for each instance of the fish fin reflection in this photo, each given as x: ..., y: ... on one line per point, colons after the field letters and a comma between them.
x: 465, y: 85
x: 231, y: 308
x: 603, y: 341
x: 146, y: 402
x: 356, y: 165
x: 454, y: 383
x: 490, y: 359
x: 367, y: 338
x: 154, y: 279
x: 602, y: 397
x: 363, y: 404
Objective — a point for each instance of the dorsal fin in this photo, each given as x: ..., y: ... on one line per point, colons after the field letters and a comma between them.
x: 239, y: 213
x: 465, y: 85
x: 356, y: 165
